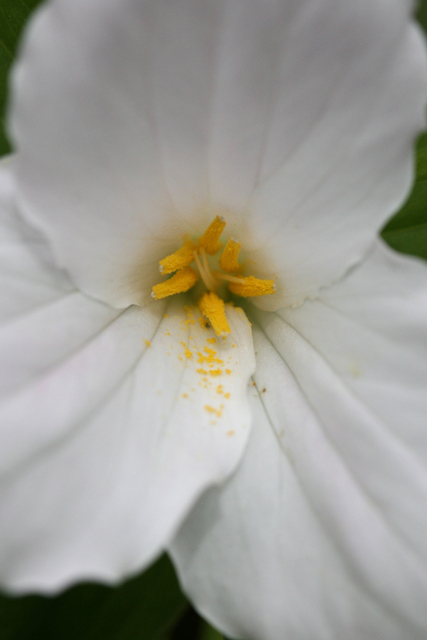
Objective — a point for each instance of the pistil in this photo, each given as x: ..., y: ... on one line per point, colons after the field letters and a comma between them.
x: 205, y: 272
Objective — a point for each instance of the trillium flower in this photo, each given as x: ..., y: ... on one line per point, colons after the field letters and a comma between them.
x: 275, y: 444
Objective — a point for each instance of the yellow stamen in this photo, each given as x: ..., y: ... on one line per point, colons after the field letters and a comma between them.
x: 213, y: 308
x: 229, y: 260
x: 185, y: 277
x: 180, y: 259
x: 210, y: 239
x: 252, y: 287
x: 182, y: 281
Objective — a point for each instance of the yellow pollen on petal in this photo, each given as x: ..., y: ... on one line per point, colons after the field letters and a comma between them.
x: 214, y: 309
x: 182, y: 281
x: 229, y: 259
x: 180, y: 259
x: 217, y: 412
x: 210, y: 239
x: 211, y: 359
x: 204, y: 322
x: 251, y: 287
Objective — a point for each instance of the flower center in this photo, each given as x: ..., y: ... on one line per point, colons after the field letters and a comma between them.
x: 230, y: 273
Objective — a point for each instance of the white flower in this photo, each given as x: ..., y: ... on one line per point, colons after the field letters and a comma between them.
x: 136, y: 123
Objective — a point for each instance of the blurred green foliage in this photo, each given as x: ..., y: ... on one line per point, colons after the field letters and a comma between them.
x: 13, y: 16
x: 407, y: 230
x: 143, y: 608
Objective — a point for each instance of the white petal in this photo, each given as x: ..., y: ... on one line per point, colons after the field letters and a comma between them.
x: 105, y: 450
x: 295, y: 119
x: 92, y: 167
x: 106, y: 439
x: 371, y: 329
x: 321, y: 534
x: 27, y: 276
x: 338, y: 155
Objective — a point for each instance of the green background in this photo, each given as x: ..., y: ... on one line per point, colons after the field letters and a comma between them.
x: 150, y: 606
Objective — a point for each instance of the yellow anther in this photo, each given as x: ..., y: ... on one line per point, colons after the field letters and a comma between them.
x: 252, y: 287
x: 213, y: 308
x: 185, y: 277
x: 229, y: 260
x: 210, y: 239
x: 182, y: 281
x: 180, y: 259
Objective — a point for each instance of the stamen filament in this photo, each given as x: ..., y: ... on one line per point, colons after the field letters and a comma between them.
x: 228, y: 278
x: 252, y: 287
x: 182, y: 281
x: 214, y: 309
